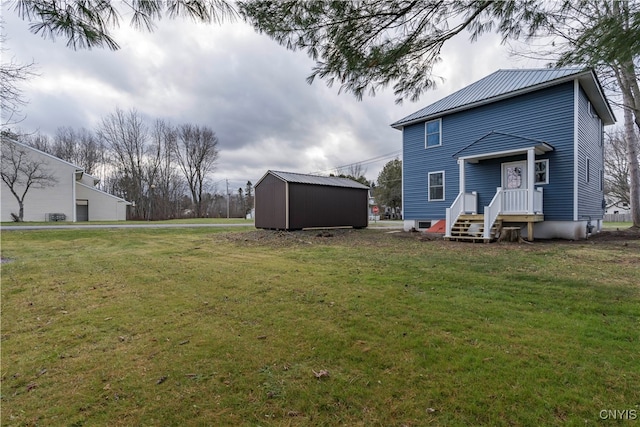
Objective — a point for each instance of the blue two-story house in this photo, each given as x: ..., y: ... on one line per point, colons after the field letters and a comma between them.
x: 518, y: 148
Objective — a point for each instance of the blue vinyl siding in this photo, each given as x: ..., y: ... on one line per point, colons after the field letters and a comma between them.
x: 590, y: 194
x: 545, y: 115
x: 417, y: 163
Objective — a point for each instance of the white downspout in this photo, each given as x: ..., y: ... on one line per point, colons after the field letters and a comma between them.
x: 576, y: 102
x: 461, y: 185
x: 73, y: 196
x: 531, y: 164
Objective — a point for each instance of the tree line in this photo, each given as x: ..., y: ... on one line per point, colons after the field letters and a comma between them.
x: 367, y: 46
x: 165, y: 170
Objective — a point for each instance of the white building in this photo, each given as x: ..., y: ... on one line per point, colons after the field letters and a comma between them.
x: 73, y: 196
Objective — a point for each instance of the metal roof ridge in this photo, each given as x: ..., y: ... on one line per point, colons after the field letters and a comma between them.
x: 574, y: 71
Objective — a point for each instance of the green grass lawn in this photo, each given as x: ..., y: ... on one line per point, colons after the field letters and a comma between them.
x: 169, y: 221
x: 616, y: 225
x: 173, y: 327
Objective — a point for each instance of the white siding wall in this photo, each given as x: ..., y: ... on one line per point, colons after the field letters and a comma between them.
x: 60, y: 198
x: 41, y: 201
x: 102, y: 206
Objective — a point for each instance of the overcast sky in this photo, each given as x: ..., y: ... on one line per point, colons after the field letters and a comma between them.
x: 250, y: 90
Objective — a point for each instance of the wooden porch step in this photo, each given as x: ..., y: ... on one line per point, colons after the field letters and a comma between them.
x: 460, y: 230
x: 468, y: 239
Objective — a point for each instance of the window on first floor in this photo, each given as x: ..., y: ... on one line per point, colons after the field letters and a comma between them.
x: 601, y: 180
x: 436, y: 186
x: 433, y: 134
x: 542, y: 172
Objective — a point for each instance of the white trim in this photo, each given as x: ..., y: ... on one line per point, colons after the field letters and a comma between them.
x: 286, y: 205
x: 531, y: 166
x: 576, y: 102
x: 402, y: 180
x: 51, y: 156
x: 97, y: 190
x: 73, y: 197
x: 546, y: 169
x: 461, y: 173
x: 497, y: 154
x: 444, y: 197
x: 439, y: 133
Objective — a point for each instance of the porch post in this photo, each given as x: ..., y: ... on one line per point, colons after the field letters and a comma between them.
x: 531, y: 173
x: 461, y: 167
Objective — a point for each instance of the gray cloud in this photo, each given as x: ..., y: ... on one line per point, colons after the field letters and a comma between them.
x: 250, y: 90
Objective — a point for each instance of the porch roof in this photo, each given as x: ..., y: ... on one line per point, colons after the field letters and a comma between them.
x: 499, y: 144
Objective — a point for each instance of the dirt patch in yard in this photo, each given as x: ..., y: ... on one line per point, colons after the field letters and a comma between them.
x: 616, y: 235
x: 278, y: 238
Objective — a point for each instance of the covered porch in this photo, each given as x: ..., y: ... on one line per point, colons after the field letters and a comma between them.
x: 517, y: 200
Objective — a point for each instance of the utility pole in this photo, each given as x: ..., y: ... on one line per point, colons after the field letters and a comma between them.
x: 228, y: 197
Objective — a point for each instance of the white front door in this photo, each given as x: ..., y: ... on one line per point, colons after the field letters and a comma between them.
x: 514, y: 185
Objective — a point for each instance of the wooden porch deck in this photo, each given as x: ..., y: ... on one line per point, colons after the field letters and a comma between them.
x: 470, y: 227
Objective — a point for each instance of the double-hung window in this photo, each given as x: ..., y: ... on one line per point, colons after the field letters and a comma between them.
x: 542, y: 171
x: 433, y: 133
x: 587, y: 171
x: 436, y: 186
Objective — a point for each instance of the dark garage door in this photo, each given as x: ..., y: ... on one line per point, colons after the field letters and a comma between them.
x: 82, y: 210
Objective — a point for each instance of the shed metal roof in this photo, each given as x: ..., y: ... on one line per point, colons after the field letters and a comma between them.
x: 508, y: 83
x: 300, y: 178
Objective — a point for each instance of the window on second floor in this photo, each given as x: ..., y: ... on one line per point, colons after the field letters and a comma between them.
x: 433, y: 133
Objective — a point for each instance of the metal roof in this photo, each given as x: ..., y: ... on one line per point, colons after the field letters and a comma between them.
x: 300, y: 178
x: 508, y: 83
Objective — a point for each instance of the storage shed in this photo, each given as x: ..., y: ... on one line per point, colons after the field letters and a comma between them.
x: 293, y: 201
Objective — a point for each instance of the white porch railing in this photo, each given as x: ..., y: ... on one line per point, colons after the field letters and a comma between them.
x: 464, y: 203
x: 517, y: 201
x: 504, y: 202
x: 508, y: 202
x: 514, y: 201
x: 492, y: 211
x: 537, y: 200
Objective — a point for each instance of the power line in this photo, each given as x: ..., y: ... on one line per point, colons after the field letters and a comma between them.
x: 363, y: 162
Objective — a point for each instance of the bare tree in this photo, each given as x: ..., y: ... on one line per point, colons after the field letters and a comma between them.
x: 604, y: 33
x: 38, y: 140
x: 12, y: 74
x: 21, y: 172
x: 616, y: 180
x: 126, y: 137
x: 355, y: 172
x: 196, y: 152
x: 162, y: 173
x: 80, y: 147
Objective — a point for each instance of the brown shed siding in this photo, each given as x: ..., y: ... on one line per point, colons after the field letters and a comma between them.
x: 289, y: 201
x: 323, y: 206
x: 270, y: 203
